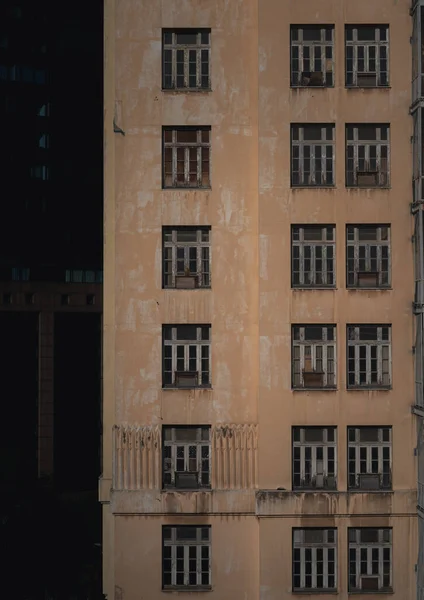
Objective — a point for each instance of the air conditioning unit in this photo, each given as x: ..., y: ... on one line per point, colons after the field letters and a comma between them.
x: 185, y: 282
x: 330, y: 483
x: 186, y: 379
x: 188, y: 480
x: 369, y: 583
x: 369, y: 481
x: 318, y: 481
x: 366, y: 80
x: 313, y: 379
x: 367, y: 178
x: 367, y: 279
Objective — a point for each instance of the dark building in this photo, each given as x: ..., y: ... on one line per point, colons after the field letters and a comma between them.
x: 51, y: 292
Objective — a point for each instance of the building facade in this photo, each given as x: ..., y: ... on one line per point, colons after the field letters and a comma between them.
x: 259, y: 328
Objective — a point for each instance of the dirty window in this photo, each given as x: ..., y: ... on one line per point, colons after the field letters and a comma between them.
x: 369, y: 356
x: 314, y: 559
x: 369, y: 458
x: 186, y: 457
x: 314, y: 458
x: 313, y: 356
x: 370, y: 560
x: 186, y: 356
x: 186, y: 157
x: 186, y: 59
x: 186, y: 255
x: 367, y: 156
x: 186, y: 552
x: 312, y: 56
x: 367, y: 56
x: 368, y: 256
x: 312, y: 155
x: 313, y: 256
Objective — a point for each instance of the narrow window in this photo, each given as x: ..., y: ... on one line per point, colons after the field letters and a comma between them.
x: 186, y: 457
x: 314, y: 458
x: 186, y: 59
x: 368, y: 256
x: 314, y: 560
x: 369, y: 458
x: 369, y: 356
x: 186, y: 356
x: 313, y: 356
x: 186, y: 157
x: 186, y: 552
x: 367, y: 156
x: 367, y: 56
x: 370, y: 560
x: 312, y: 155
x: 313, y: 256
x: 312, y: 56
x: 186, y: 257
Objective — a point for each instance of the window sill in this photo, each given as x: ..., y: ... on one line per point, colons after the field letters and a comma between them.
x: 364, y: 288
x: 369, y: 388
x: 174, y: 489
x: 314, y: 490
x: 368, y: 87
x: 313, y: 187
x: 364, y: 187
x: 183, y: 387
x: 187, y: 90
x: 196, y: 289
x: 186, y: 187
x: 379, y: 491
x: 313, y: 287
x: 315, y: 389
x: 385, y: 591
x: 315, y: 87
x: 310, y: 591
x: 181, y: 588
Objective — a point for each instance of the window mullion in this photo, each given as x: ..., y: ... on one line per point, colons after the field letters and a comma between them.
x: 186, y: 565
x: 185, y: 66
x: 173, y: 564
x: 199, y: 165
x: 186, y: 165
x: 357, y: 365
x: 313, y: 263
x: 302, y: 567
x: 174, y: 164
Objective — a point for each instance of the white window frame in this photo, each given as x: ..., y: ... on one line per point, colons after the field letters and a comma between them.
x: 198, y: 344
x: 315, y: 468
x: 309, y: 178
x: 355, y: 545
x: 175, y: 542
x: 200, y: 441
x: 298, y: 46
x: 202, y: 247
x: 172, y: 49
x: 353, y: 47
x: 301, y: 246
x: 174, y: 149
x: 359, y: 444
x: 378, y: 165
x: 302, y: 546
x: 305, y: 355
x: 384, y: 363
x: 364, y: 246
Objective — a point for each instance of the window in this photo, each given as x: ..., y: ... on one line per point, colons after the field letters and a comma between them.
x: 368, y: 256
x: 312, y: 155
x: 369, y: 458
x: 83, y: 276
x: 367, y: 156
x: 186, y: 557
x: 314, y: 458
x: 186, y: 257
x: 40, y: 172
x: 370, y: 560
x: 44, y: 141
x: 312, y: 56
x: 186, y: 59
x: 367, y: 56
x: 314, y: 559
x: 186, y: 157
x: 186, y: 457
x: 186, y: 356
x: 369, y: 356
x: 313, y: 256
x: 314, y: 356
x: 20, y: 274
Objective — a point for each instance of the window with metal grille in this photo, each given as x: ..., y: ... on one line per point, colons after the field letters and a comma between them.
x: 186, y: 457
x: 186, y: 356
x: 368, y: 256
x: 367, y: 156
x: 367, y: 55
x: 314, y: 559
x: 314, y: 458
x: 186, y: 257
x: 186, y: 158
x: 186, y: 557
x: 312, y: 155
x: 312, y: 56
x: 186, y: 59
x: 369, y: 458
x: 369, y: 356
x: 370, y: 560
x: 313, y: 256
x: 314, y: 356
